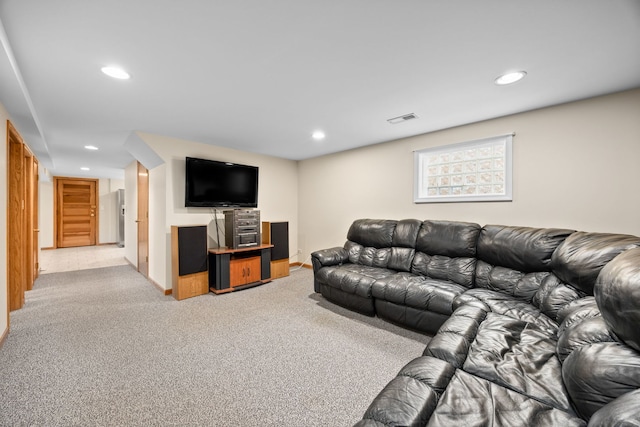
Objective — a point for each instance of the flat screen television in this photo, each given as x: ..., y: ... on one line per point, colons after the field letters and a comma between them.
x: 210, y: 183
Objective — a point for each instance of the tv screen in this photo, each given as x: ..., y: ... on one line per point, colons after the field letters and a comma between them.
x: 210, y: 183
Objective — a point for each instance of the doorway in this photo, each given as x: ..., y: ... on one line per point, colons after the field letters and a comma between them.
x: 76, y: 216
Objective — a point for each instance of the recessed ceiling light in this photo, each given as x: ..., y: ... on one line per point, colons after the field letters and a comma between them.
x: 115, y: 72
x: 318, y: 135
x: 84, y: 168
x: 507, y: 79
x: 90, y: 147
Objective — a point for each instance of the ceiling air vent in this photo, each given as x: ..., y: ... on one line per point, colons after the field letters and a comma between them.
x: 402, y: 118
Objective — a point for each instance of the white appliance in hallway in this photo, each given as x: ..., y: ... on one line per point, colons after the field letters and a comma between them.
x: 120, y: 218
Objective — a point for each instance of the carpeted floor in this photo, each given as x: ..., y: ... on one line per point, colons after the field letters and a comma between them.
x: 104, y: 347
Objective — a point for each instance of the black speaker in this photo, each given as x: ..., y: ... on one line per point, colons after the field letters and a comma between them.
x: 276, y: 234
x: 192, y: 249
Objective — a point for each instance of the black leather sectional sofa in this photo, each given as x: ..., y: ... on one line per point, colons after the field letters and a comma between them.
x: 532, y: 326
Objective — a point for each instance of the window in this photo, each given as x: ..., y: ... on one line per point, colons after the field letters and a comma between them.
x: 473, y: 171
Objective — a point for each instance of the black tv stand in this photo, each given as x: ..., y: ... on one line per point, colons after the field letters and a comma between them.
x: 236, y: 269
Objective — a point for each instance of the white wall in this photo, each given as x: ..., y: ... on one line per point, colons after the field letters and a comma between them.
x: 277, y: 195
x: 45, y: 214
x: 130, y: 213
x: 4, y: 303
x: 575, y: 165
x: 159, y: 241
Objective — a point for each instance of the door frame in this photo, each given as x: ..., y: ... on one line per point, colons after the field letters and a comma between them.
x: 142, y: 220
x: 16, y: 256
x: 56, y: 213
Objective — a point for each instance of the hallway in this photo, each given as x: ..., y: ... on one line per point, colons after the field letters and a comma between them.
x: 81, y: 258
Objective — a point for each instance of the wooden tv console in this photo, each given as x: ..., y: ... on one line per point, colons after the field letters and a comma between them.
x: 235, y: 269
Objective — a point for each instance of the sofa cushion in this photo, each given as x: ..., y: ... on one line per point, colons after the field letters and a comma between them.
x: 476, y: 402
x: 520, y: 356
x: 457, y: 270
x: 417, y: 291
x: 581, y: 257
x: 596, y: 374
x: 367, y: 255
x: 590, y: 330
x: 401, y: 258
x: 510, y: 282
x: 554, y: 295
x: 377, y: 233
x: 448, y: 238
x: 352, y: 278
x: 617, y: 292
x: 575, y: 311
x: 507, y: 305
x: 454, y: 337
x: 622, y: 411
x: 410, y: 398
x: 519, y: 248
x: 406, y: 233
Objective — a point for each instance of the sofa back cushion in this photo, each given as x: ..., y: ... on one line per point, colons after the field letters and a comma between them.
x: 383, y: 243
x: 376, y: 233
x: 522, y: 286
x: 448, y: 238
x: 523, y: 249
x: 581, y: 257
x: 406, y: 233
x: 617, y: 293
x: 445, y: 250
x: 554, y: 295
x: 457, y: 270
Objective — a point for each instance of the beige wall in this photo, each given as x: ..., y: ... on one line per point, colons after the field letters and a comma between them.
x: 108, y: 218
x: 575, y: 165
x: 4, y: 303
x: 130, y: 213
x: 277, y: 196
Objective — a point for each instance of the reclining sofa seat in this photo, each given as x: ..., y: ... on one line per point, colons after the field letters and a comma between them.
x: 374, y: 249
x: 485, y: 367
x: 442, y: 268
x: 406, y: 271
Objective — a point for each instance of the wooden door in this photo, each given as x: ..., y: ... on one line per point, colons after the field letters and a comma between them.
x: 76, y: 212
x: 143, y: 220
x: 16, y: 274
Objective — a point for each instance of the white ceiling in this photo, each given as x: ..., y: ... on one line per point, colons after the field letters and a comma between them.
x: 261, y: 76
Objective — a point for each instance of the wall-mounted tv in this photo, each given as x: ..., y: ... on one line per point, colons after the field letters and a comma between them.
x: 210, y: 183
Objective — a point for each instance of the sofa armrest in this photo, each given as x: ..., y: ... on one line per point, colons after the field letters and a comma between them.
x: 326, y: 257
x: 453, y: 340
x: 622, y: 411
x: 411, y: 397
x: 332, y: 256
